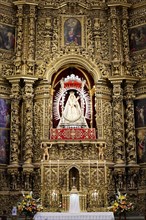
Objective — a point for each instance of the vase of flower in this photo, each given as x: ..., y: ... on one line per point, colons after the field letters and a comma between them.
x: 121, y: 206
x: 122, y: 214
x: 29, y: 206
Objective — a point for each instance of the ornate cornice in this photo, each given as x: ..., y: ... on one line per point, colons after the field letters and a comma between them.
x: 26, y: 2
x: 138, y: 5
x: 119, y: 3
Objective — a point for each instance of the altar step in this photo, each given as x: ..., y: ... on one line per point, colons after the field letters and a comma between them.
x: 116, y: 218
x: 132, y: 218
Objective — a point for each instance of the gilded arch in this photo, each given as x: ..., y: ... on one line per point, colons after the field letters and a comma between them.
x: 72, y: 60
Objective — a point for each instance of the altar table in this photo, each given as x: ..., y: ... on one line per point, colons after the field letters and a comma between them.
x: 74, y: 216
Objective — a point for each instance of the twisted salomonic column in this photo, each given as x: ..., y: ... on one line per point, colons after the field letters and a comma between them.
x: 115, y: 41
x: 28, y: 121
x: 31, y: 40
x: 125, y: 40
x: 118, y: 123
x: 13, y: 168
x: 15, y: 122
x: 130, y: 124
x: 19, y: 37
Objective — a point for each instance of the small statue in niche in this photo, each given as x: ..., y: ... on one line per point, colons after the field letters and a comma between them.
x: 101, y: 151
x: 46, y: 151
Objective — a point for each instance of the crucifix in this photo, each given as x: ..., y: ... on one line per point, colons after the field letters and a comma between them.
x: 73, y: 181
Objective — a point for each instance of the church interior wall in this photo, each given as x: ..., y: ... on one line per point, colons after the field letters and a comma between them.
x: 92, y: 54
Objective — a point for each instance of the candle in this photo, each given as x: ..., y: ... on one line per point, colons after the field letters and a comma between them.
x: 58, y: 171
x: 105, y: 172
x: 89, y: 171
x: 42, y: 179
x: 50, y: 171
x: 97, y: 171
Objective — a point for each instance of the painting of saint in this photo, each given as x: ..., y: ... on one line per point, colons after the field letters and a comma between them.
x: 72, y: 32
x: 141, y: 145
x: 7, y: 37
x: 137, y: 38
x: 140, y: 113
x: 4, y: 144
x: 4, y: 113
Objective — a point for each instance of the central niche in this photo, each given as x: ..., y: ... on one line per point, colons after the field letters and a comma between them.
x: 73, y: 178
x: 73, y: 100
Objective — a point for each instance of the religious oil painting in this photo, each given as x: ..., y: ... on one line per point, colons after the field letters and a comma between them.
x: 4, y: 113
x: 4, y: 145
x: 72, y: 32
x: 140, y: 113
x: 7, y: 37
x: 141, y: 145
x: 137, y: 38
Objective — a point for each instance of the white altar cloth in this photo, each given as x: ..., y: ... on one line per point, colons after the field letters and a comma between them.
x: 74, y: 203
x: 74, y: 216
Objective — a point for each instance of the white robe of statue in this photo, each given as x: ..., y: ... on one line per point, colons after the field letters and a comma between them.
x: 72, y: 111
x: 72, y: 114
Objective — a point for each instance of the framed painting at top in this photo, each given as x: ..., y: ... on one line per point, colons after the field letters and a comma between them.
x: 7, y: 37
x: 72, y: 31
x: 137, y: 38
x: 4, y: 145
x: 5, y: 112
x: 140, y: 113
x: 141, y: 145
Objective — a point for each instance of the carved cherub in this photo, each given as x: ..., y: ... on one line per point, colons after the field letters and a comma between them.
x: 45, y: 147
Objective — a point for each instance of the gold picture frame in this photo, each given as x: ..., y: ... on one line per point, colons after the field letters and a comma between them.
x: 72, y: 31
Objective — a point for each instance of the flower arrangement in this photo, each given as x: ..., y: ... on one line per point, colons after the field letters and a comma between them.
x: 121, y: 204
x: 29, y: 206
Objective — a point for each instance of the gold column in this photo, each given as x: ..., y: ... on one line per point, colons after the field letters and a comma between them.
x: 15, y: 134
x: 31, y: 40
x: 130, y: 123
x: 125, y: 42
x: 15, y: 122
x: 28, y: 121
x: 19, y: 37
x: 118, y: 123
x: 115, y: 40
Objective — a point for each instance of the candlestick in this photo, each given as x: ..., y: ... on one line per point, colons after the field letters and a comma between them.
x: 50, y: 171
x: 105, y: 171
x: 97, y: 172
x: 58, y: 171
x: 89, y: 171
x: 42, y: 179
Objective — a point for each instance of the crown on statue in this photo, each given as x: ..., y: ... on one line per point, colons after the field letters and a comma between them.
x: 72, y: 81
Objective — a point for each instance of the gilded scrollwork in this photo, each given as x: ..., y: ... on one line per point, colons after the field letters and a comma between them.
x: 55, y: 37
x: 133, y: 178
x: 90, y: 46
x: 120, y: 178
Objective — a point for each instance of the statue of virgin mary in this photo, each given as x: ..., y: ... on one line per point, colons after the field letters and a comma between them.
x: 72, y: 115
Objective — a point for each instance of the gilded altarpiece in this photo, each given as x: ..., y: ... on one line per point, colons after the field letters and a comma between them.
x: 76, y: 86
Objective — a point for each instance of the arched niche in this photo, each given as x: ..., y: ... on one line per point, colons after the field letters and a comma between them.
x: 73, y: 79
x: 74, y: 179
